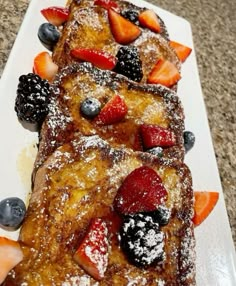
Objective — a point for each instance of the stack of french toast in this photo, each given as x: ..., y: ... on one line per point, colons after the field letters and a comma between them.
x: 112, y: 200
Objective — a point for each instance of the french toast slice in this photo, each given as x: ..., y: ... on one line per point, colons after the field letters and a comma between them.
x: 119, y: 6
x: 89, y: 28
x: 146, y: 104
x: 78, y: 183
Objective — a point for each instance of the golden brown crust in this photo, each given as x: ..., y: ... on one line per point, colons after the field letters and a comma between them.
x: 149, y: 104
x: 78, y: 182
x: 89, y: 28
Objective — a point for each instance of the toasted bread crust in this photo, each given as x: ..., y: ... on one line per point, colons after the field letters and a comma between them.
x: 150, y: 104
x: 89, y: 28
x: 78, y: 182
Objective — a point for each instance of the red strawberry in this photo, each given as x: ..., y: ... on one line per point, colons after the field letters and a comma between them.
x: 56, y: 15
x: 10, y: 255
x: 106, y: 4
x: 99, y: 58
x: 204, y: 204
x: 156, y: 136
x: 141, y: 191
x: 148, y: 19
x: 44, y: 66
x: 165, y: 73
x: 122, y: 29
x: 92, y: 254
x: 113, y: 112
x: 182, y: 51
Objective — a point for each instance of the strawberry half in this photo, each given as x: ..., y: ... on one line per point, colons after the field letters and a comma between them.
x: 56, y: 15
x: 203, y: 206
x: 156, y: 136
x: 165, y: 73
x: 122, y: 29
x: 99, y: 58
x: 10, y: 255
x: 106, y: 4
x: 113, y: 112
x: 92, y: 254
x: 182, y: 51
x: 141, y: 191
x: 148, y: 19
x: 44, y: 66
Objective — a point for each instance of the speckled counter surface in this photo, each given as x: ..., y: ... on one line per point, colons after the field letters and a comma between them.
x: 214, y: 33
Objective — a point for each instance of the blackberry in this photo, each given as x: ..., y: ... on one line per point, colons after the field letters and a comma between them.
x: 189, y: 140
x: 161, y: 215
x: 129, y: 63
x: 142, y: 240
x: 130, y: 15
x: 31, y: 104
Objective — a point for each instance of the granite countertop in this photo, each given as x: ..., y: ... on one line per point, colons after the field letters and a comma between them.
x: 214, y: 33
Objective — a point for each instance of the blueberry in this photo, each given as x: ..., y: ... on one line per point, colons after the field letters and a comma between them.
x: 12, y: 213
x: 130, y: 15
x: 48, y: 35
x: 189, y: 140
x: 157, y: 151
x: 161, y: 215
x: 90, y: 107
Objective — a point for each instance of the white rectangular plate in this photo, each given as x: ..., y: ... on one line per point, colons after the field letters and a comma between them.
x: 215, y: 250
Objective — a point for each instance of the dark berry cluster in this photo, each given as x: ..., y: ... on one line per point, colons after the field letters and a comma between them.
x: 32, y: 99
x: 130, y: 15
x: 142, y: 240
x: 129, y: 63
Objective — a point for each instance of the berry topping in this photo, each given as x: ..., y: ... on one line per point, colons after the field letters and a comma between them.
x: 189, y: 140
x: 142, y: 240
x: 92, y: 254
x: 157, y: 151
x: 141, y: 191
x: 124, y: 31
x: 157, y: 136
x: 149, y: 19
x: 99, y: 58
x: 129, y: 63
x: 165, y: 73
x: 130, y: 15
x: 48, y: 35
x: 182, y: 51
x: 12, y: 212
x: 90, y: 107
x: 106, y: 4
x: 161, y: 215
x: 203, y: 206
x: 44, y: 66
x: 32, y: 99
x: 113, y: 112
x: 56, y: 15
x: 10, y: 255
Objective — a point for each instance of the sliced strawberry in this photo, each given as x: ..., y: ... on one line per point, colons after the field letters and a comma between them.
x: 10, y: 255
x: 182, y: 51
x: 106, y: 4
x: 92, y: 254
x: 44, y: 66
x: 56, y: 15
x: 99, y: 58
x: 204, y: 204
x: 165, y: 73
x: 148, y: 19
x: 141, y: 191
x: 156, y: 136
x: 122, y: 29
x: 113, y: 112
